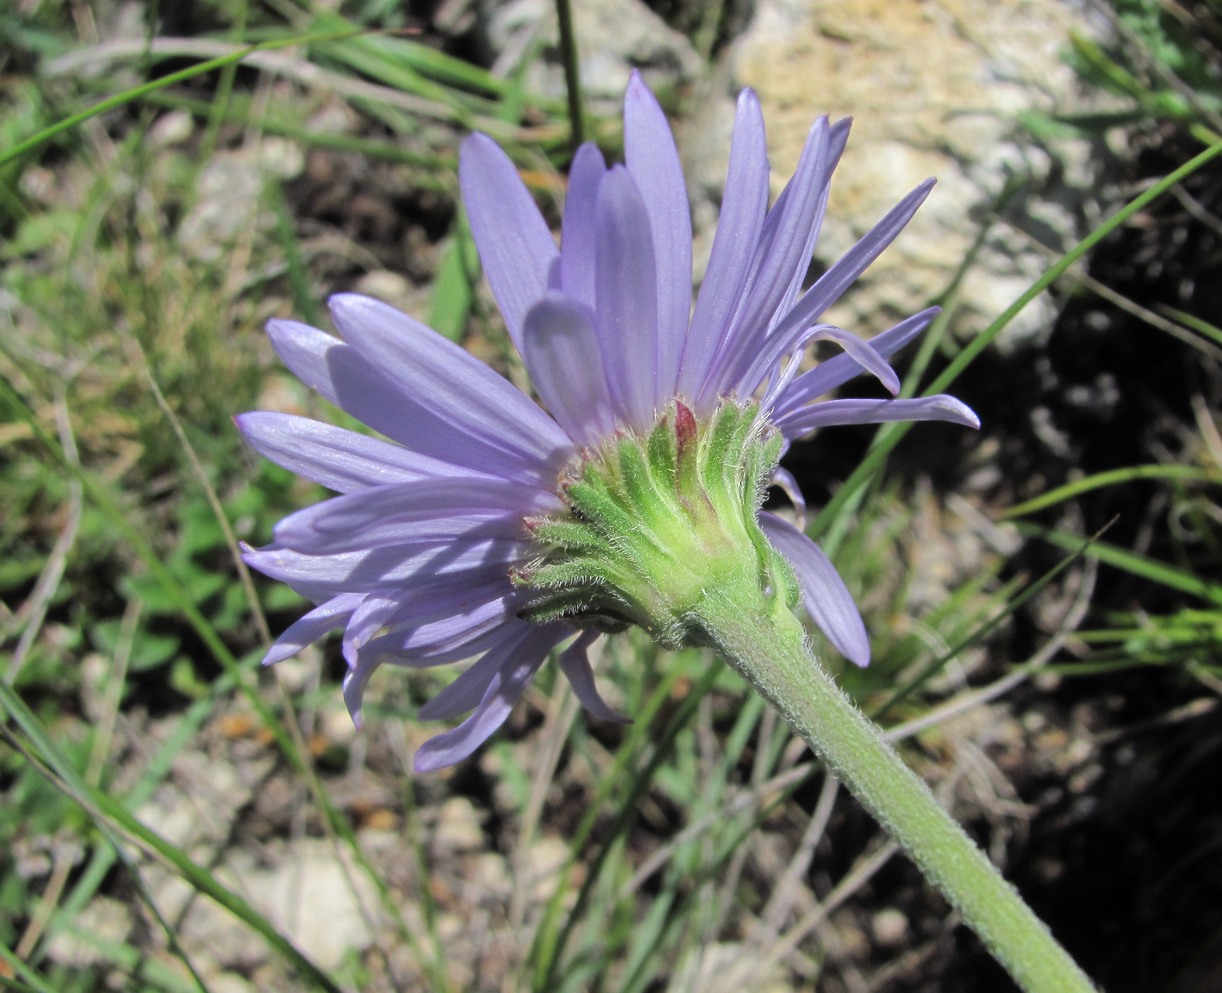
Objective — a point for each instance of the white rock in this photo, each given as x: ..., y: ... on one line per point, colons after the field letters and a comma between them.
x: 458, y: 828
x: 934, y: 89
x: 727, y: 965
x: 102, y: 922
x: 326, y: 908
x: 613, y: 37
x: 541, y: 865
x: 228, y: 196
x: 890, y: 927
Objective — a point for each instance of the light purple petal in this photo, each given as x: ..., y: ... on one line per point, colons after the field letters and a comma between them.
x: 468, y: 688
x: 839, y: 369
x: 424, y: 510
x: 339, y: 459
x: 446, y: 634
x: 766, y: 359
x: 469, y: 401
x: 765, y: 362
x: 577, y: 245
x: 778, y: 255
x: 626, y: 292
x: 845, y: 270
x: 504, y: 690
x: 744, y: 203
x: 824, y: 594
x: 370, y: 660
x: 354, y: 690
x: 465, y: 692
x: 784, y: 480
x: 837, y: 139
x: 450, y: 596
x: 459, y: 647
x: 653, y: 163
x: 565, y: 362
x: 940, y: 407
x: 515, y: 246
x: 350, y: 383
x: 326, y: 617
x: 575, y: 664
x: 322, y: 576
x: 341, y: 375
x: 863, y: 353
x: 367, y: 620
x: 445, y: 621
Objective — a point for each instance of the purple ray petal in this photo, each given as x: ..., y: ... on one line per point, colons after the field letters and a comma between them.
x: 384, y: 651
x: 322, y: 576
x: 784, y: 480
x: 824, y: 594
x: 450, y: 382
x: 466, y: 691
x: 447, y: 634
x: 744, y: 203
x: 565, y: 362
x: 837, y: 139
x: 845, y: 270
x: 777, y: 256
x: 575, y: 664
x: 577, y: 255
x: 339, y: 459
x: 839, y: 369
x: 940, y: 407
x: 860, y: 351
x: 367, y: 620
x: 419, y: 511
x: 765, y: 361
x: 627, y: 295
x: 450, y: 596
x: 504, y: 690
x: 370, y: 660
x: 358, y: 388
x: 342, y: 376
x: 653, y: 163
x: 326, y: 617
x: 863, y: 353
x: 515, y: 246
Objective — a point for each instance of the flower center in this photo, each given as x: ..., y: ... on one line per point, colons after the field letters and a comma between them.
x: 657, y: 524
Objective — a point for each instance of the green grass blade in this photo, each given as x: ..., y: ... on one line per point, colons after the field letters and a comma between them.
x: 1202, y: 327
x: 30, y: 981
x: 144, y: 89
x: 454, y: 287
x: 1179, y: 473
x: 1136, y: 564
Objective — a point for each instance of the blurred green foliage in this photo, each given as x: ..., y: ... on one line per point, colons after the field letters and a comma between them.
x: 110, y: 530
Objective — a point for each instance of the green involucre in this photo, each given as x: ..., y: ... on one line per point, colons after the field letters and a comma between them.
x: 656, y: 523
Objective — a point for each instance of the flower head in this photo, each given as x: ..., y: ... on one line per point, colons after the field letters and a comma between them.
x: 483, y: 525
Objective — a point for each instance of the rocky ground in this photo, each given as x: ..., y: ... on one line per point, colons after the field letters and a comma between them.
x: 1098, y: 793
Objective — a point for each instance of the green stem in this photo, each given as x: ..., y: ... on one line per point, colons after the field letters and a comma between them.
x: 572, y: 78
x: 767, y: 644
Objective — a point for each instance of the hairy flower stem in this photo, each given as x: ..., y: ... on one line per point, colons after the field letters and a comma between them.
x: 765, y: 642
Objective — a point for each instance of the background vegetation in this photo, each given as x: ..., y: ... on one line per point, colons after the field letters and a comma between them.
x: 175, y: 818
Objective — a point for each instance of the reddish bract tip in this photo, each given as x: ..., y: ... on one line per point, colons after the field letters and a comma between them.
x: 685, y: 426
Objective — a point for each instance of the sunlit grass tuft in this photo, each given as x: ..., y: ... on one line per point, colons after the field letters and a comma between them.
x: 143, y: 249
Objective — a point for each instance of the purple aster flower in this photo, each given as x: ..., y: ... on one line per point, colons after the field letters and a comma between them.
x: 421, y: 558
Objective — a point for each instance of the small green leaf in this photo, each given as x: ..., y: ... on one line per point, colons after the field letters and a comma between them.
x: 452, y: 291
